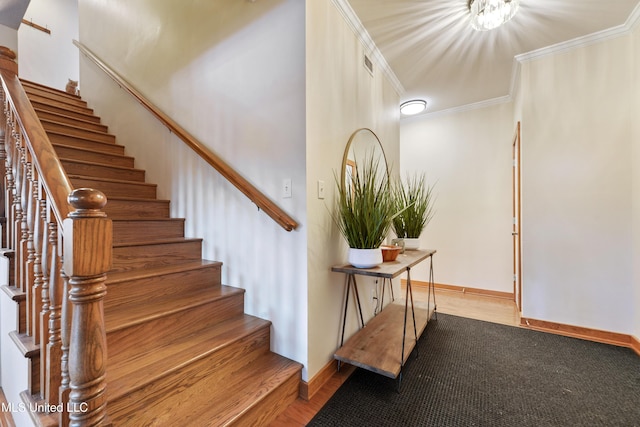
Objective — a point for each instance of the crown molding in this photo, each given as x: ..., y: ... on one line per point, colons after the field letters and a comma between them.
x: 597, y: 37
x: 467, y: 107
x: 370, y: 47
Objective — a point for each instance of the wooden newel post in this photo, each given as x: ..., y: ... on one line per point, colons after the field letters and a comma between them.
x: 87, y: 258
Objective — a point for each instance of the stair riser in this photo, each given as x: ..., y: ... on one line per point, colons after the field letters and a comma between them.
x: 137, y: 208
x: 75, y: 153
x: 54, y: 95
x: 138, y: 339
x: 83, y: 114
x: 117, y: 189
x: 100, y: 171
x: 75, y: 121
x: 78, y: 131
x: 156, y: 398
x: 272, y: 405
x: 138, y: 231
x: 85, y: 144
x: 135, y: 257
x: 59, y: 105
x: 168, y: 284
x: 73, y: 141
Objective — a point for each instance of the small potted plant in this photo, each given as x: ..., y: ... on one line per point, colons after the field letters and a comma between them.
x: 414, y: 202
x: 364, y: 211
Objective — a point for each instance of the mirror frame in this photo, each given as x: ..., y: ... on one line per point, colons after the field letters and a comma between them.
x: 345, y: 156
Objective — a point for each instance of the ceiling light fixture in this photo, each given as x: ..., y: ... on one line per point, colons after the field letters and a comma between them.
x: 490, y: 14
x: 412, y: 107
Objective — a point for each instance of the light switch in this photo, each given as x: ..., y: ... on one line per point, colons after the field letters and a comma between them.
x: 286, y: 188
x: 320, y: 189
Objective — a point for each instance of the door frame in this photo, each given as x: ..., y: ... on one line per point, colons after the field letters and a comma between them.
x: 516, y: 231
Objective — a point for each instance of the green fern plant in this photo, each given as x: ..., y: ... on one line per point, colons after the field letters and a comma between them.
x: 364, y: 207
x: 414, y: 202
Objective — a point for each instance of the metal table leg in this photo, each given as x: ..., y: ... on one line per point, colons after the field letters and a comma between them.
x: 351, y: 281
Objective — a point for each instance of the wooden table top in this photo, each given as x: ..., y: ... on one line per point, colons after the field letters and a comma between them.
x: 389, y: 269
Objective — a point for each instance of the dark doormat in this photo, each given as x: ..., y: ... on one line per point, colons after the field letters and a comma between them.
x: 467, y: 372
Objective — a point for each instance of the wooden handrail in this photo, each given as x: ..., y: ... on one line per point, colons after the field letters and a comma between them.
x: 248, y: 189
x: 45, y: 158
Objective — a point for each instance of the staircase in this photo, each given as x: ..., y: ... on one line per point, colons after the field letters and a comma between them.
x: 181, y: 351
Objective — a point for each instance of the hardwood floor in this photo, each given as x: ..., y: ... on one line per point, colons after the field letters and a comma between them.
x: 487, y: 308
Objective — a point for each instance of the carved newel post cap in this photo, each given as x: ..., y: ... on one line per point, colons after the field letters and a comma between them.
x: 8, y: 60
x: 87, y: 202
x: 5, y: 51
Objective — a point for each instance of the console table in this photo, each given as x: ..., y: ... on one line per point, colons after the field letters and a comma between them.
x: 375, y: 347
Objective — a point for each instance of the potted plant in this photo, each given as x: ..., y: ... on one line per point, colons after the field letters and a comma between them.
x: 414, y: 202
x: 364, y: 211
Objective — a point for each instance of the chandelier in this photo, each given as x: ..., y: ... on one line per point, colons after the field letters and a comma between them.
x: 490, y: 14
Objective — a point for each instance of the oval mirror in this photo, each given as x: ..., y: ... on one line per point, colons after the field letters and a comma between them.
x: 363, y: 144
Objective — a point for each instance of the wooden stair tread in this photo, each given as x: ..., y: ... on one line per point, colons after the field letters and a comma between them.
x: 90, y: 121
x: 49, y: 102
x: 210, y: 400
x: 82, y: 114
x: 66, y: 128
x: 122, y: 276
x: 98, y: 164
x: 76, y: 125
x: 95, y: 138
x: 246, y: 389
x: 136, y: 312
x: 126, y: 375
x: 157, y: 242
x: 33, y: 84
x: 83, y: 167
x: 118, y: 181
x: 25, y: 344
x: 14, y: 293
x: 97, y: 144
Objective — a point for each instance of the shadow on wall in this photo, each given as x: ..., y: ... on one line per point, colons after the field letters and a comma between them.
x: 170, y: 33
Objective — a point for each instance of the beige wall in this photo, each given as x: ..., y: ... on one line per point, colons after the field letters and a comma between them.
x: 49, y: 59
x: 467, y: 156
x: 577, y: 182
x: 232, y: 73
x: 635, y: 90
x: 9, y: 38
x: 341, y: 97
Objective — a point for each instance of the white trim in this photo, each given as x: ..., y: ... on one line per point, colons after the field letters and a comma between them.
x: 460, y: 109
x: 370, y: 47
x: 587, y: 40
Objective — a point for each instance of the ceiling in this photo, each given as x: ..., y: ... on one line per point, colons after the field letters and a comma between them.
x: 12, y: 11
x: 437, y: 56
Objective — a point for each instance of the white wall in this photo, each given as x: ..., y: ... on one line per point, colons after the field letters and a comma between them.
x: 467, y: 155
x: 577, y: 177
x: 9, y: 38
x: 49, y: 59
x: 231, y: 73
x: 341, y: 97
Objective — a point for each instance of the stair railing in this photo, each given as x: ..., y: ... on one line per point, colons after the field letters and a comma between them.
x: 230, y: 174
x: 60, y: 247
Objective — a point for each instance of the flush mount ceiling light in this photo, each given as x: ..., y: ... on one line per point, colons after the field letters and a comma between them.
x: 412, y: 107
x: 490, y: 14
